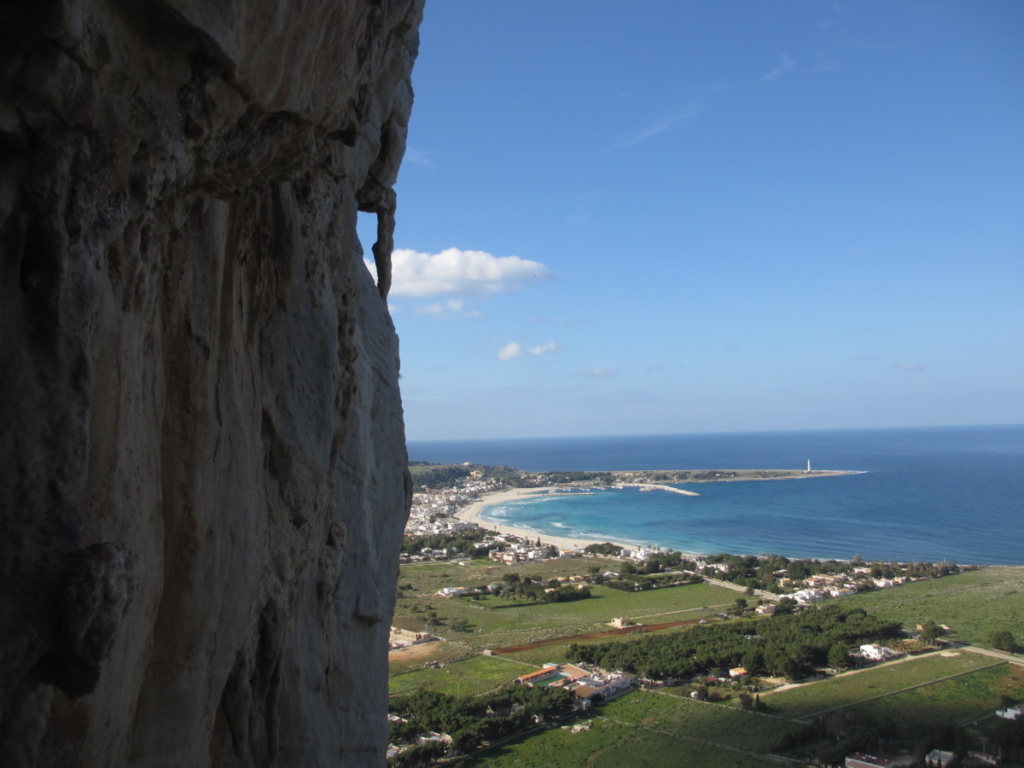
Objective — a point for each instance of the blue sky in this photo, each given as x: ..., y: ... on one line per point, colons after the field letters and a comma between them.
x: 671, y: 217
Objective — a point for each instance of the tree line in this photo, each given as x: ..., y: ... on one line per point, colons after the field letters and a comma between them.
x: 471, y: 720
x: 789, y: 646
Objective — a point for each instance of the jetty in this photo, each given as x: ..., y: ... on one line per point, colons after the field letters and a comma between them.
x: 658, y: 487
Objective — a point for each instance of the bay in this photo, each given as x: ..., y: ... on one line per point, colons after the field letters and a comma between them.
x: 942, y: 493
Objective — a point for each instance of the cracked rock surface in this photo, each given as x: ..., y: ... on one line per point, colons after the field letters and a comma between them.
x: 202, y: 458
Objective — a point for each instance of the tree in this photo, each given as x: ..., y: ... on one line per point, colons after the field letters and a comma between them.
x: 740, y: 605
x: 1003, y: 640
x: 785, y: 605
x: 930, y: 632
x: 838, y: 657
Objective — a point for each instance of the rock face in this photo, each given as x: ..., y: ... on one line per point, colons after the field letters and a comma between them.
x: 202, y: 457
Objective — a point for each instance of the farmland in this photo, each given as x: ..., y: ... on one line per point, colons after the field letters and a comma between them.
x: 493, y: 622
x: 974, y: 604
x: 922, y: 694
x: 468, y: 676
x: 814, y: 698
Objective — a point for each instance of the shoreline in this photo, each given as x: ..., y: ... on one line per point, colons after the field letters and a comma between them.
x: 472, y: 513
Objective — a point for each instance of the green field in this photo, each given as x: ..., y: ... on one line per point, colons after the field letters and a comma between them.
x: 812, y: 698
x: 973, y: 604
x: 476, y: 674
x: 961, y: 700
x: 665, y: 728
x: 613, y: 745
x: 647, y: 728
x: 494, y: 622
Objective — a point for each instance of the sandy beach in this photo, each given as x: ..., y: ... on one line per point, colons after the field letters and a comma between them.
x: 471, y: 513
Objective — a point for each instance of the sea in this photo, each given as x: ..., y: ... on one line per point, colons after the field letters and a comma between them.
x: 952, y: 494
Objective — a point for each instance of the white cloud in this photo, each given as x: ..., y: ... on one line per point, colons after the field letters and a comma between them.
x: 784, y: 67
x: 513, y: 349
x: 454, y: 271
x: 510, y: 350
x: 544, y: 349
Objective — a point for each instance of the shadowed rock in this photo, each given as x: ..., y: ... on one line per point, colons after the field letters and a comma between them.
x: 202, y: 458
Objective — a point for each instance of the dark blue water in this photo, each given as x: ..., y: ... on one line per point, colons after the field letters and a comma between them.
x: 934, y: 494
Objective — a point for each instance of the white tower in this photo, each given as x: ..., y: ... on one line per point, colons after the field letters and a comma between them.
x: 808, y: 465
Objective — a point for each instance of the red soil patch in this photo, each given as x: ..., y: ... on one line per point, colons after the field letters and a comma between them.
x: 594, y: 636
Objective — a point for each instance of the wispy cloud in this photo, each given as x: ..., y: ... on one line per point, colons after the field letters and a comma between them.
x: 784, y: 67
x: 662, y: 367
x: 596, y: 373
x: 513, y: 350
x: 448, y: 309
x: 418, y: 157
x: 458, y: 272
x: 909, y: 367
x: 662, y: 124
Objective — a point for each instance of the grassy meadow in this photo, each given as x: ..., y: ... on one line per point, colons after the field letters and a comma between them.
x: 962, y: 700
x: 466, y: 677
x: 646, y: 728
x: 493, y: 622
x: 814, y: 698
x: 973, y: 604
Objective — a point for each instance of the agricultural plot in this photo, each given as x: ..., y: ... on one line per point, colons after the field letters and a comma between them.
x: 813, y: 698
x: 651, y: 748
x: 961, y: 700
x: 664, y: 728
x: 974, y: 604
x: 651, y: 730
x: 460, y: 678
x: 558, y: 653
x: 554, y: 748
x: 698, y: 721
x: 494, y: 622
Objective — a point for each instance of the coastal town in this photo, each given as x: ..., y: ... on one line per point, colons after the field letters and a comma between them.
x: 456, y: 559
x: 454, y: 511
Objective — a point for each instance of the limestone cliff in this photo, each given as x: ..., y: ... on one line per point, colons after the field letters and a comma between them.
x: 202, y: 459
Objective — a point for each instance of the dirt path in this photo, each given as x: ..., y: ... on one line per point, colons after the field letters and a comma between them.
x: 414, y: 652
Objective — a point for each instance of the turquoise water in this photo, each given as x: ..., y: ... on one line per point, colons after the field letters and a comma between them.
x: 934, y: 494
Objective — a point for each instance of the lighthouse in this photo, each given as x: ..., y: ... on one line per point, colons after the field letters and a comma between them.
x: 808, y: 466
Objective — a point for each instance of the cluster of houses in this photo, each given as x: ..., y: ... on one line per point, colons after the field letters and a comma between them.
x: 430, y: 737
x: 433, y: 511
x: 824, y: 586
x: 937, y: 758
x: 588, y: 685
x: 498, y: 587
